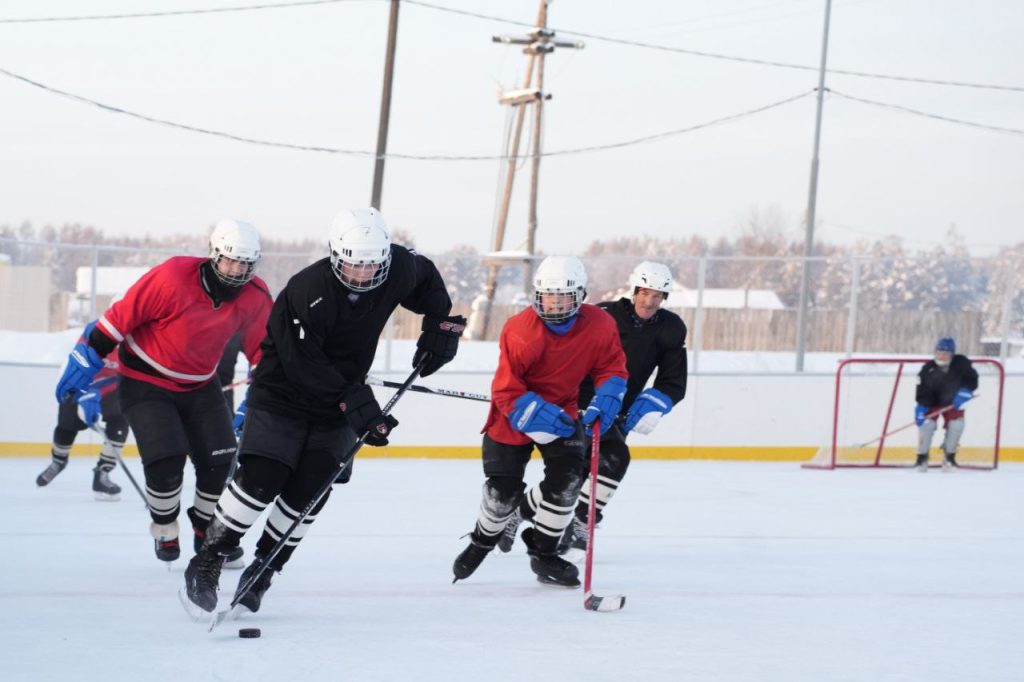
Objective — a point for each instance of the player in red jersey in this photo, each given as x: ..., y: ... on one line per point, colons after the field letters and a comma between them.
x: 546, y: 351
x: 173, y: 325
x: 83, y: 410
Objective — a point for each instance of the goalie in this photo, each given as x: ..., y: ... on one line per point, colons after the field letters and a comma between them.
x: 944, y: 386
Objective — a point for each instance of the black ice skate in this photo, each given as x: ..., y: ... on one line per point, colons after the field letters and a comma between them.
x: 165, y: 539
x: 550, y: 568
x: 508, y: 536
x: 103, y: 488
x: 922, y: 463
x: 469, y: 560
x: 254, y: 597
x: 50, y: 473
x: 574, y: 540
x: 949, y: 462
x: 201, y: 579
x: 232, y: 556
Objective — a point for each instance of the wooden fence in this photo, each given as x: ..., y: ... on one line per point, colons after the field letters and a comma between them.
x: 746, y: 329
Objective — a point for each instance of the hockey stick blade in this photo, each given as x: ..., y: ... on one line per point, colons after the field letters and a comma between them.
x: 594, y: 603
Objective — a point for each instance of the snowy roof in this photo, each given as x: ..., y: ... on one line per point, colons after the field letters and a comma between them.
x: 109, y: 280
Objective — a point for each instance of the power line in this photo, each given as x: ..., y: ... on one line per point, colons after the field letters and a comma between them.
x: 410, y: 157
x: 513, y: 22
x: 916, y: 112
x: 733, y: 58
x: 172, y: 13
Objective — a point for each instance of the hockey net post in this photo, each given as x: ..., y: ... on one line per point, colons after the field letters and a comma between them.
x: 869, y: 391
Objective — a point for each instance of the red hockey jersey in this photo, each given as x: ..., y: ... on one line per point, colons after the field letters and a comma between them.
x: 534, y: 358
x: 167, y: 320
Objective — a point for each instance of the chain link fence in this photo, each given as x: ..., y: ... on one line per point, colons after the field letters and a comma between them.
x: 859, y: 304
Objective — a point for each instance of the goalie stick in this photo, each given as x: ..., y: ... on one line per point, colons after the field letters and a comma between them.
x: 930, y: 415
x: 591, y: 601
x: 219, y: 616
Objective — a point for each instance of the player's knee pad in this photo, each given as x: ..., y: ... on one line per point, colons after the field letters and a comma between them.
x: 64, y: 437
x: 501, y: 494
x: 261, y: 478
x: 117, y: 429
x: 614, y: 460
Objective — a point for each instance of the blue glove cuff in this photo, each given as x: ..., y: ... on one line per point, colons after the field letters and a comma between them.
x: 614, y: 387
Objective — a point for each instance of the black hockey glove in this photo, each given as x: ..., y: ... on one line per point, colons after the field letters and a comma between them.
x: 438, y: 342
x: 363, y: 413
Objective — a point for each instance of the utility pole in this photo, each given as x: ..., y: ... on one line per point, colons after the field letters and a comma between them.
x: 812, y: 201
x: 537, y: 43
x: 385, y: 108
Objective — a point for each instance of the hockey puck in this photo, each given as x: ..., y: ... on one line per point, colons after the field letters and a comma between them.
x: 249, y: 633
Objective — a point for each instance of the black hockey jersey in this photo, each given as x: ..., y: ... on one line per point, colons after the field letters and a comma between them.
x: 936, y: 387
x: 659, y: 342
x: 322, y: 337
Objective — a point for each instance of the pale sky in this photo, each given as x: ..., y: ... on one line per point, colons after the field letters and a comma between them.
x: 311, y: 75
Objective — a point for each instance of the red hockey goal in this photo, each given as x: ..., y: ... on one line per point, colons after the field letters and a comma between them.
x: 873, y: 409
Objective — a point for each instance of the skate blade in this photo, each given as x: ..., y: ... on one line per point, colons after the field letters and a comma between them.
x: 106, y: 497
x: 219, y: 617
x: 547, y: 580
x: 194, y: 611
x: 594, y: 603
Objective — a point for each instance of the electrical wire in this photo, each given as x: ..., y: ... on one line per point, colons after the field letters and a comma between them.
x: 525, y: 24
x: 715, y: 55
x: 172, y: 13
x: 917, y: 112
x: 410, y: 157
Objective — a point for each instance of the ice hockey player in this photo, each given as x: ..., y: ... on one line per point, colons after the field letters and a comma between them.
x: 651, y: 338
x: 308, y: 402
x: 173, y: 325
x: 949, y: 380
x: 83, y: 410
x: 545, y: 352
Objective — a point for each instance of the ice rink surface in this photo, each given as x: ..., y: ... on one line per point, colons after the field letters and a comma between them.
x: 733, y: 571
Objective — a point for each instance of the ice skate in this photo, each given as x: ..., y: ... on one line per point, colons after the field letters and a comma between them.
x: 254, y: 597
x: 49, y: 473
x: 550, y: 568
x: 469, y: 559
x: 508, y: 536
x: 103, y: 488
x: 201, y: 579
x: 949, y: 462
x: 165, y: 539
x: 921, y: 464
x: 573, y: 543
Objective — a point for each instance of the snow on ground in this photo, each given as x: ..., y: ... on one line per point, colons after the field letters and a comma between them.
x: 733, y: 571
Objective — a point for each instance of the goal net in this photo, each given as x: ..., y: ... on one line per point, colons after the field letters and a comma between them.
x: 873, y: 417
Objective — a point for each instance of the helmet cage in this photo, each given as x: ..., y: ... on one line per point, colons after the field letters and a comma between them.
x: 238, y: 242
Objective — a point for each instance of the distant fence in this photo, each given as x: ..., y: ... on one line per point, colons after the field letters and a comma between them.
x: 859, y: 304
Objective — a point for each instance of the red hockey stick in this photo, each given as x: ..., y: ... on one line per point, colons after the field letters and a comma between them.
x: 591, y: 601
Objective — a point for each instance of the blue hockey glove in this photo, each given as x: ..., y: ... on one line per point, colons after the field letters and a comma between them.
x: 89, y: 406
x: 239, y: 421
x: 920, y: 412
x: 605, y: 404
x: 961, y: 397
x: 83, y: 364
x: 646, y: 411
x: 540, y: 420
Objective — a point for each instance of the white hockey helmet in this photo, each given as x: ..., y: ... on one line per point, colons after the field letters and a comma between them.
x: 238, y: 241
x: 650, y: 275
x: 359, y: 237
x: 559, y: 275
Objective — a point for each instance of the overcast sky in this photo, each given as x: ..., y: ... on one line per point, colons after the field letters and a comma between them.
x: 311, y: 75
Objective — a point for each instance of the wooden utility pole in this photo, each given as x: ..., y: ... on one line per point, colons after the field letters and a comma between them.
x: 537, y: 44
x: 385, y: 108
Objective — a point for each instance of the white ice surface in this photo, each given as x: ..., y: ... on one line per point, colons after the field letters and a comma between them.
x: 733, y: 571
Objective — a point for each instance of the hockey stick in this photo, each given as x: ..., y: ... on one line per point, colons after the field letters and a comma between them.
x: 416, y: 388
x: 243, y: 589
x: 236, y: 384
x: 591, y: 601
x: 930, y: 415
x: 124, y: 467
